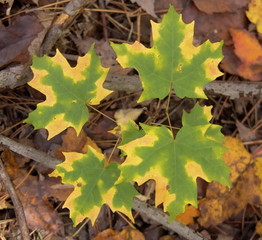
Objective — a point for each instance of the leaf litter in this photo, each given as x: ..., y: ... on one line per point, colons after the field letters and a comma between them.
x: 236, y: 16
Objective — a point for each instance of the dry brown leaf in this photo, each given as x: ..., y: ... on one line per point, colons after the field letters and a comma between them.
x: 221, y: 203
x: 188, y: 216
x: 34, y: 195
x: 126, y: 234
x: 73, y: 143
x: 164, y: 4
x: 214, y: 27
x: 147, y: 5
x: 245, y: 133
x: 16, y: 38
x: 214, y: 6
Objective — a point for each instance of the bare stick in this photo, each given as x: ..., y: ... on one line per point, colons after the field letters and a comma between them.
x: 29, y: 152
x: 151, y: 212
x: 234, y: 90
x: 61, y: 23
x: 20, y: 215
x: 160, y: 217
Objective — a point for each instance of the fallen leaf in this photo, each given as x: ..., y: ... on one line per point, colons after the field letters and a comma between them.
x: 254, y: 13
x: 125, y: 115
x: 126, y: 234
x: 214, y: 27
x: 65, y: 104
x: 71, y: 142
x: 94, y: 183
x: 245, y: 133
x: 249, y: 51
x: 259, y: 228
x: 172, y: 62
x: 147, y: 5
x: 220, y: 203
x: 213, y: 6
x: 34, y: 195
x: 129, y: 132
x: 16, y: 38
x: 164, y: 4
x: 187, y: 217
x: 157, y: 155
x: 237, y: 158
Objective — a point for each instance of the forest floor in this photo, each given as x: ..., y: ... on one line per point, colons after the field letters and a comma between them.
x: 42, y: 26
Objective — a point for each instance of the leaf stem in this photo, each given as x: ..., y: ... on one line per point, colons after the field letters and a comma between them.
x: 167, y: 108
x: 107, y: 160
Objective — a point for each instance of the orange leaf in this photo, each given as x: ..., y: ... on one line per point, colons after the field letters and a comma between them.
x: 188, y: 216
x: 249, y: 51
x: 125, y: 234
x: 220, y: 203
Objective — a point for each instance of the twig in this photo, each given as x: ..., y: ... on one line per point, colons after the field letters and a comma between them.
x: 20, y: 215
x: 234, y: 90
x: 160, y: 217
x: 61, y: 23
x: 151, y: 212
x: 29, y: 152
x: 103, y: 18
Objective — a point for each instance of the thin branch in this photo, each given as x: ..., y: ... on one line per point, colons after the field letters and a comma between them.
x: 20, y: 215
x: 72, y: 9
x: 234, y: 90
x: 29, y: 152
x: 160, y: 217
x: 145, y: 209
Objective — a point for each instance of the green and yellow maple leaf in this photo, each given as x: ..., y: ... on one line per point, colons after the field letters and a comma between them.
x: 68, y: 90
x: 173, y: 61
x: 94, y: 185
x: 129, y: 132
x: 175, y: 164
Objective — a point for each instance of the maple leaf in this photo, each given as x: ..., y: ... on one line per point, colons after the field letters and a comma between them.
x: 130, y: 132
x: 175, y: 164
x: 94, y: 185
x: 249, y: 51
x: 68, y: 90
x: 173, y: 61
x: 254, y: 13
x: 220, y: 203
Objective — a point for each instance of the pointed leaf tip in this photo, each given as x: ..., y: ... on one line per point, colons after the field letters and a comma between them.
x: 68, y: 90
x: 173, y: 61
x: 175, y: 164
x: 94, y: 185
